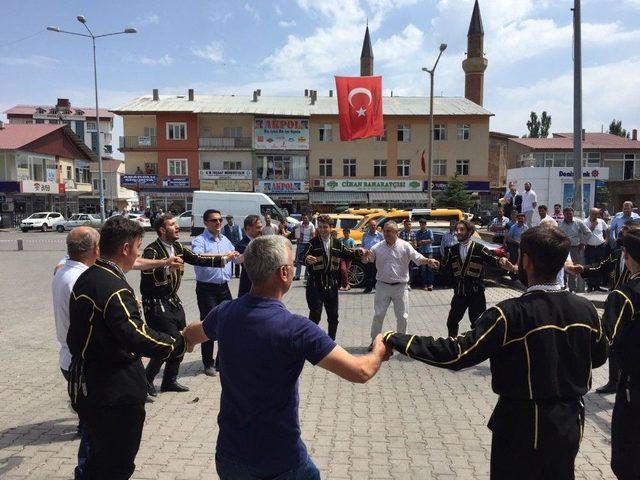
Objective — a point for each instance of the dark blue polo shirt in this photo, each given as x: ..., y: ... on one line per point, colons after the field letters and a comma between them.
x: 263, y: 348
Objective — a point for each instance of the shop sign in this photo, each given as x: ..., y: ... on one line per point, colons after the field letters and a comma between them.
x: 175, y: 182
x: 132, y: 180
x: 51, y: 174
x: 225, y: 174
x: 144, y: 141
x: 227, y: 185
x: 373, y: 185
x: 281, y: 134
x: 588, y: 173
x: 282, y: 186
x: 474, y: 186
x: 29, y: 186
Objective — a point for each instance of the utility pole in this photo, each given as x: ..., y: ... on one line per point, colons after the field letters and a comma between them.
x: 578, y: 204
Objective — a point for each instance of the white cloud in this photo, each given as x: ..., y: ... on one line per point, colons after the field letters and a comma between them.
x: 164, y: 60
x: 277, y: 9
x: 212, y: 52
x: 219, y: 17
x: 287, y: 24
x: 252, y: 11
x: 148, y: 19
x: 37, y: 61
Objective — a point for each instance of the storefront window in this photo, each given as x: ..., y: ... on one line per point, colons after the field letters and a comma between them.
x: 83, y: 174
x: 282, y: 167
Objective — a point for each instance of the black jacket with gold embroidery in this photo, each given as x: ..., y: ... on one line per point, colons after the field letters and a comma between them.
x: 107, y: 336
x: 621, y: 321
x: 609, y: 266
x: 468, y: 274
x: 541, y: 347
x: 326, y: 273
x: 162, y: 283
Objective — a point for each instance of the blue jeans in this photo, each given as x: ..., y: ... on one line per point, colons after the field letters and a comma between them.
x: 228, y: 469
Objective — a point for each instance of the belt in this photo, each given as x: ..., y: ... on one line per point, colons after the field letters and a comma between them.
x: 211, y: 284
x: 395, y: 283
x: 150, y: 302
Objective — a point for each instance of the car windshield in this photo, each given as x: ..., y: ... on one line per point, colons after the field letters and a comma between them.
x: 75, y: 216
x: 348, y: 223
x: 38, y: 215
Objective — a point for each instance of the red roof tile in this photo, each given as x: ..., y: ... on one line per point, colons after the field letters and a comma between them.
x: 593, y: 141
x: 31, y: 109
x: 13, y: 137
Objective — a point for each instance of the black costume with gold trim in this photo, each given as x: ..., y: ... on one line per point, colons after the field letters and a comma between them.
x: 622, y: 322
x: 162, y: 307
x: 324, y: 279
x: 541, y: 347
x: 107, y: 337
x: 609, y: 266
x: 468, y: 283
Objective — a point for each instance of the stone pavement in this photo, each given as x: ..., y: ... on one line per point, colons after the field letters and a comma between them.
x: 410, y: 422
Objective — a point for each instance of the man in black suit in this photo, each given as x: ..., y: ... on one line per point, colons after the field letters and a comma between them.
x: 252, y: 229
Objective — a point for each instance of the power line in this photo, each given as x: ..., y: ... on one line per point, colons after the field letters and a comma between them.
x: 22, y: 39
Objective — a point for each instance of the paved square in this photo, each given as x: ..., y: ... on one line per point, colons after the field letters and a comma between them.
x: 410, y: 422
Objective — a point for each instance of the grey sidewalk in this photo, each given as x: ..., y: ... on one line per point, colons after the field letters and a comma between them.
x: 411, y: 421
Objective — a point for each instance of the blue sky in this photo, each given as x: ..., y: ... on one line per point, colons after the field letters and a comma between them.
x: 285, y: 46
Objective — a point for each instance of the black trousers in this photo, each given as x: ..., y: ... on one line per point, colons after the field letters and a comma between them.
x: 167, y: 318
x: 625, y: 430
x: 114, y: 434
x: 476, y: 304
x: 593, y: 255
x: 370, y: 272
x: 317, y: 297
x: 209, y: 295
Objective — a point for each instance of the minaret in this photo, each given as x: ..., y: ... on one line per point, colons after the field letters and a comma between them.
x: 366, y: 57
x: 475, y: 64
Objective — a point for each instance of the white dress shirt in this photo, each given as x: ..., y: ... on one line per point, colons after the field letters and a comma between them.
x: 61, y: 288
x: 392, y: 261
x: 464, y: 248
x: 528, y: 199
x: 549, y: 220
x: 597, y: 231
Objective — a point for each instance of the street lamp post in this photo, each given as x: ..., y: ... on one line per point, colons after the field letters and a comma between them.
x: 443, y: 47
x: 93, y: 37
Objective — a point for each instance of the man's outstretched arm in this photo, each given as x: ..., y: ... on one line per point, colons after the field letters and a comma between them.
x: 356, y: 368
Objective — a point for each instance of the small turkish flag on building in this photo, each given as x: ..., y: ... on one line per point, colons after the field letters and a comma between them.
x: 360, y: 107
x: 423, y: 163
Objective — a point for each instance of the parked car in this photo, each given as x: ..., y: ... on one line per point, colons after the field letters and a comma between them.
x: 41, y: 221
x: 185, y: 220
x: 340, y: 221
x: 145, y: 223
x: 78, y: 220
x: 356, y: 273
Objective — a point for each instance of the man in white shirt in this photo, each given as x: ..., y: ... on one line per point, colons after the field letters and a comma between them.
x: 304, y: 233
x: 392, y: 258
x: 269, y: 228
x: 529, y: 203
x: 545, y: 219
x: 596, y: 247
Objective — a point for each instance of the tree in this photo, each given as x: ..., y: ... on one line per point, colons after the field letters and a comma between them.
x: 615, y: 128
x: 539, y: 127
x: 454, y: 195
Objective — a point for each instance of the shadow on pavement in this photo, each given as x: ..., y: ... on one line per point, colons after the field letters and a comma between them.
x: 8, y: 464
x: 41, y: 433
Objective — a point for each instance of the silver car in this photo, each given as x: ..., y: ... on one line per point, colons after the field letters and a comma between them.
x: 79, y: 220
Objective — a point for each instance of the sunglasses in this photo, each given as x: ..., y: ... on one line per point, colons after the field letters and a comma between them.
x: 215, y: 220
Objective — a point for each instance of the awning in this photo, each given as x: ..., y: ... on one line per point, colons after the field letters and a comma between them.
x: 337, y: 198
x: 397, y: 197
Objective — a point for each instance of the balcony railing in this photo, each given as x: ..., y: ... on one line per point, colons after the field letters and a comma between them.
x: 138, y: 142
x: 225, y: 143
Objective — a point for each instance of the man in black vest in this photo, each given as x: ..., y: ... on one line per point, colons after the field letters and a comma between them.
x: 542, y: 347
x: 159, y: 287
x: 322, y: 255
x: 232, y: 231
x: 467, y: 260
x: 252, y: 229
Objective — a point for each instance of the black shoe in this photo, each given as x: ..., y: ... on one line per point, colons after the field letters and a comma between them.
x: 367, y: 290
x: 608, y: 388
x: 296, y: 278
x: 173, y: 387
x: 210, y: 371
x: 151, y: 390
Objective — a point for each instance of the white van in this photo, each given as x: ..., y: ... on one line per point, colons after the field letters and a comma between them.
x: 238, y: 204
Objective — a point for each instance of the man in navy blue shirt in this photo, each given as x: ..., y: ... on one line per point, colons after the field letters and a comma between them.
x: 263, y: 348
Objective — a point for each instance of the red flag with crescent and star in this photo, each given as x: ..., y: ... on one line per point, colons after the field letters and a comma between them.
x: 360, y: 107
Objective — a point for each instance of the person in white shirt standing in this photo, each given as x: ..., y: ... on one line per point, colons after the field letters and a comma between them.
x: 269, y: 228
x: 83, y: 250
x: 392, y: 258
x: 545, y: 219
x: 529, y: 203
x: 596, y: 248
x: 304, y: 233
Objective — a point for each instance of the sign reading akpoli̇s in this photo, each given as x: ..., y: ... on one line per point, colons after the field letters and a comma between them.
x: 281, y: 133
x: 373, y: 185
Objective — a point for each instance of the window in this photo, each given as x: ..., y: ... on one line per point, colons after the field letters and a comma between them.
x: 39, y: 120
x: 151, y: 168
x: 349, y: 167
x: 404, y: 133
x: 439, y: 132
x: 83, y: 175
x: 325, y: 133
x: 629, y: 166
x: 282, y: 167
x: 69, y: 172
x: 149, y: 131
x: 404, y: 168
x: 383, y: 138
x: 232, y: 165
x: 379, y: 168
x: 206, y: 166
x: 176, y: 131
x: 36, y: 168
x: 591, y: 159
x: 232, y: 132
x: 29, y: 122
x: 91, y: 126
x: 80, y: 129
x: 463, y: 131
x: 95, y: 184
x: 177, y: 166
x: 462, y: 167
x: 326, y: 167
x: 439, y: 168
x: 94, y: 141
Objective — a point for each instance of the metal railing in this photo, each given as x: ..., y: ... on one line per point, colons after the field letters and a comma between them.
x: 138, y: 142
x: 225, y: 143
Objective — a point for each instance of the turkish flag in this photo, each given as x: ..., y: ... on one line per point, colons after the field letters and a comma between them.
x: 423, y: 164
x: 360, y: 107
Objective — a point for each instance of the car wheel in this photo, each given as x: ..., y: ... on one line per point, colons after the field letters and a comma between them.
x: 60, y: 228
x: 356, y: 275
x: 25, y: 230
x: 44, y: 227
